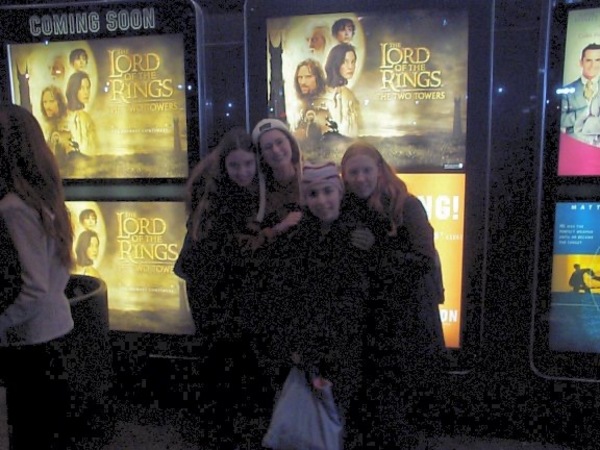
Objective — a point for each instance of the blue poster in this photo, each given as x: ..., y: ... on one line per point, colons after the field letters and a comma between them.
x: 575, y: 292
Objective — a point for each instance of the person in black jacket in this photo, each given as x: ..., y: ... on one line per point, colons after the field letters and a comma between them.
x: 313, y: 294
x: 223, y: 199
x: 404, y: 339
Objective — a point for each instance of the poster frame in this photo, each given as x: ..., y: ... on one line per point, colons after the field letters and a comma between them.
x: 183, y: 17
x: 478, y: 145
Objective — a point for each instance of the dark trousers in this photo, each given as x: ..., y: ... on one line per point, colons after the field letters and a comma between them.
x: 228, y: 374
x: 37, y: 396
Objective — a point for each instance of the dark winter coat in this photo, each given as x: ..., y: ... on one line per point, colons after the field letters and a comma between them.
x: 212, y: 265
x: 403, y: 325
x: 312, y: 299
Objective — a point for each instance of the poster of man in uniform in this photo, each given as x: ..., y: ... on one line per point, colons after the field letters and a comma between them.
x: 580, y: 96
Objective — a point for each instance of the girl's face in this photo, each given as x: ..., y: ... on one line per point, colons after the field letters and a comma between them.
x: 348, y: 66
x: 360, y: 174
x: 276, y: 149
x: 241, y: 167
x: 83, y: 94
x: 50, y: 104
x: 324, y: 201
x: 92, y: 250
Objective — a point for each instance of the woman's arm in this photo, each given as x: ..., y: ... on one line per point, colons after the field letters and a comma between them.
x: 30, y: 239
x: 10, y: 270
x: 420, y: 231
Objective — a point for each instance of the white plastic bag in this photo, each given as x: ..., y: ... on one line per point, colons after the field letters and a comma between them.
x: 304, y: 418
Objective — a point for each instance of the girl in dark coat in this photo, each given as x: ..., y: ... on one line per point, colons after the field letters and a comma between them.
x: 314, y: 293
x: 223, y: 198
x: 280, y: 160
x: 404, y: 339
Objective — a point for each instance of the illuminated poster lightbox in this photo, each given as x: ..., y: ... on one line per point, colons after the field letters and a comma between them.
x: 574, y: 323
x: 132, y: 246
x: 398, y: 79
x: 110, y: 108
x: 579, y: 144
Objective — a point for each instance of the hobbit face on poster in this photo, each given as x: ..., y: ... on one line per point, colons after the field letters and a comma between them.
x: 109, y: 108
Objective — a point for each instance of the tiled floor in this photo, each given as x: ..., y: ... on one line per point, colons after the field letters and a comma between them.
x: 152, y: 428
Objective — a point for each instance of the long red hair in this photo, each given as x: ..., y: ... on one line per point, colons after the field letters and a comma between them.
x: 390, y: 191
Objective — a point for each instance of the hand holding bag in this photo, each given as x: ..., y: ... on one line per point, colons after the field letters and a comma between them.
x: 304, y: 418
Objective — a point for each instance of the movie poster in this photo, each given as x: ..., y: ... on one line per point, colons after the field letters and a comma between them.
x: 444, y: 202
x: 575, y: 309
x: 398, y: 80
x: 579, y: 143
x: 133, y: 246
x: 109, y: 108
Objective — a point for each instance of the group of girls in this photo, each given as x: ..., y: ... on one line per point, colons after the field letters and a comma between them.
x: 288, y: 262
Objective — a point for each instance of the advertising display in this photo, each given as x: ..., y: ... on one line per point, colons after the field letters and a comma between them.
x: 565, y: 325
x: 398, y: 79
x: 574, y: 314
x: 76, y: 89
x: 116, y: 88
x: 444, y: 202
x: 580, y: 97
x: 380, y: 77
x: 132, y: 246
x: 114, y: 84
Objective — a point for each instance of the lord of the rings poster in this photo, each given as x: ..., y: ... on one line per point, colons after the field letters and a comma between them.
x: 110, y: 108
x: 398, y: 80
x: 132, y: 246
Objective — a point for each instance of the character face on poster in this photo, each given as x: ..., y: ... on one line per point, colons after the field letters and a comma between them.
x: 110, y: 108
x: 580, y: 96
x: 398, y: 80
x: 132, y: 246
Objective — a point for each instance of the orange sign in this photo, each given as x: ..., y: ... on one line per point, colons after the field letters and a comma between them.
x: 444, y: 200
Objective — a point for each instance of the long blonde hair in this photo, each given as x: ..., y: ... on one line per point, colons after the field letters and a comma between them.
x: 297, y: 156
x: 29, y: 169
x: 390, y: 191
